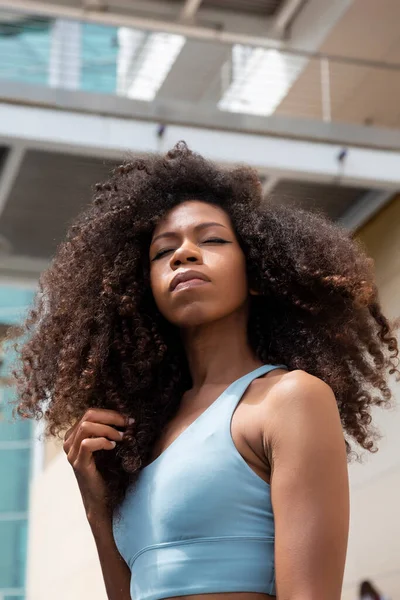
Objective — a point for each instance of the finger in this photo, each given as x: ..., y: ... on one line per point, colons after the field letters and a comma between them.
x: 71, y: 431
x: 69, y: 437
x: 101, y: 415
x: 88, y: 446
x: 105, y: 416
x: 87, y: 429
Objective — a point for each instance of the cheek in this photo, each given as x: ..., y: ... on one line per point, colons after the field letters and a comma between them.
x: 230, y: 278
x: 233, y: 273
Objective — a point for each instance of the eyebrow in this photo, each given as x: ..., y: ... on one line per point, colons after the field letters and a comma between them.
x: 199, y: 227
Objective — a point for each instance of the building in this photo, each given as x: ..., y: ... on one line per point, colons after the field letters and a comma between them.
x: 16, y: 460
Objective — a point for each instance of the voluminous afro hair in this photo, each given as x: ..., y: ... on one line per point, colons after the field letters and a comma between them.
x: 95, y: 338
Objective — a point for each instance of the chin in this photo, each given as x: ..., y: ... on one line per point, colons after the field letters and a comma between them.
x: 192, y: 315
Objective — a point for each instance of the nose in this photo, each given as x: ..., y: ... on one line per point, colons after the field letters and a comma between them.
x: 186, y: 253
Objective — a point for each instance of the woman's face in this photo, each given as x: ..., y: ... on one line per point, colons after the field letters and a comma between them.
x: 195, y: 241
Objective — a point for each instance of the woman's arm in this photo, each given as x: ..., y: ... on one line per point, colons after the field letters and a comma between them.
x: 116, y: 572
x: 96, y: 431
x: 304, y: 443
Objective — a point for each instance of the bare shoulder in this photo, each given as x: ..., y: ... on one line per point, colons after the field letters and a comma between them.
x: 297, y: 389
x: 299, y: 399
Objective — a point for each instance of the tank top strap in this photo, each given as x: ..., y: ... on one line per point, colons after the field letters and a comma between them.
x: 238, y: 388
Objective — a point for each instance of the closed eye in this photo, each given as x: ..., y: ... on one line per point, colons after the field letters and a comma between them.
x: 208, y: 241
x: 161, y: 253
x: 216, y: 241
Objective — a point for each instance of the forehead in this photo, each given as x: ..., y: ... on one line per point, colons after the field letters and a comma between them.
x: 191, y: 213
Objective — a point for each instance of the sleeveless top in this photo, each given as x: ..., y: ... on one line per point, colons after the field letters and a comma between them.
x: 199, y: 520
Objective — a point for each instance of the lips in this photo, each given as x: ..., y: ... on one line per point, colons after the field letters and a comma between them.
x: 186, y: 276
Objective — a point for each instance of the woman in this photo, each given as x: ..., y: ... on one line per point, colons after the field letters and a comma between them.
x: 210, y: 354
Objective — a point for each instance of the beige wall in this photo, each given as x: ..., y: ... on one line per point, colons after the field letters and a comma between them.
x: 52, y: 448
x: 62, y: 557
x: 374, y: 547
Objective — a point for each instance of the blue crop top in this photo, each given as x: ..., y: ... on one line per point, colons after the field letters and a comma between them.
x: 199, y: 520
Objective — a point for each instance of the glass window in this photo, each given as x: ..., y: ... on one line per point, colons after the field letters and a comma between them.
x: 12, y: 429
x: 99, y: 58
x: 26, y: 43
x: 13, y: 536
x: 14, y: 477
x: 15, y: 435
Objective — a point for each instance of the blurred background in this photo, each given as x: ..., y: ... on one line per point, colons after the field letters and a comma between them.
x: 306, y: 91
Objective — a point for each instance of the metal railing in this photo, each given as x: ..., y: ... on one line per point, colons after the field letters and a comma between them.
x: 152, y: 66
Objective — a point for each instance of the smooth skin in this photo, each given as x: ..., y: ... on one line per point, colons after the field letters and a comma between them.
x: 286, y: 426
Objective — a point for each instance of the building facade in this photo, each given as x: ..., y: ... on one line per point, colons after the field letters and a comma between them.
x: 16, y: 462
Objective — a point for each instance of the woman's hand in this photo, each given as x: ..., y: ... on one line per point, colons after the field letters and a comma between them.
x: 95, y: 431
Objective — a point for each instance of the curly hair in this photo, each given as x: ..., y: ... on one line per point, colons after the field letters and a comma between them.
x: 94, y: 337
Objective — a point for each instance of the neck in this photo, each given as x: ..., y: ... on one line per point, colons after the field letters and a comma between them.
x: 219, y: 352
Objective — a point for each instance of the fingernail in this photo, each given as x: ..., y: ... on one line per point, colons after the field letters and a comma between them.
x: 130, y: 421
x: 114, y: 444
x: 121, y: 433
